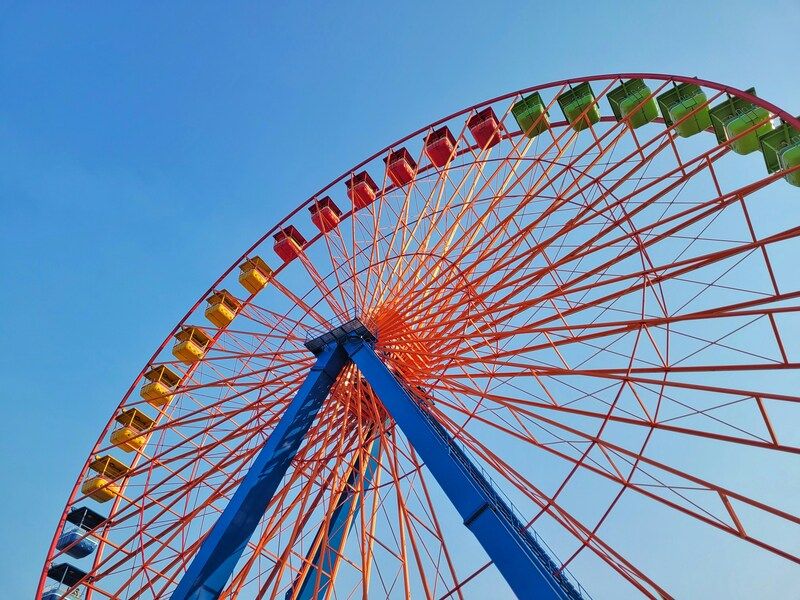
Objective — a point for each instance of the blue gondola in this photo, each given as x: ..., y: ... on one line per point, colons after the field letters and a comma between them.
x: 66, y: 576
x: 75, y: 543
x: 75, y: 540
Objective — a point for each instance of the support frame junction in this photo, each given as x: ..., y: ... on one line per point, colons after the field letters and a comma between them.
x: 522, y: 561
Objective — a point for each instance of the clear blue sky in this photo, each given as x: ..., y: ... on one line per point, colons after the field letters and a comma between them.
x: 142, y: 149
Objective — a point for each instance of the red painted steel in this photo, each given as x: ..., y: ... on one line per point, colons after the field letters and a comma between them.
x: 549, y: 272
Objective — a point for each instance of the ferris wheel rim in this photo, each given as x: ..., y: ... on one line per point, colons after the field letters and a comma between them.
x: 286, y: 219
x: 756, y: 100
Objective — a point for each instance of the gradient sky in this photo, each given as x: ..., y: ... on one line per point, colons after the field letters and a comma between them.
x: 143, y: 148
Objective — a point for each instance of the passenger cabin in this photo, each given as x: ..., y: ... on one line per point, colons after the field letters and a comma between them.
x: 222, y: 308
x: 190, y: 344
x: 579, y: 106
x: 254, y: 274
x: 74, y: 540
x: 531, y: 115
x: 400, y: 167
x: 361, y: 190
x: 161, y: 382
x: 289, y: 243
x: 685, y: 107
x: 781, y: 148
x: 741, y: 123
x: 325, y: 215
x: 633, y: 101
x: 129, y: 436
x: 102, y: 487
x: 57, y: 592
x: 65, y: 577
x: 485, y: 128
x: 440, y: 146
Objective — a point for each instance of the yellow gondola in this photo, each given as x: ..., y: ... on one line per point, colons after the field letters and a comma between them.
x: 222, y: 308
x: 102, y: 487
x: 190, y: 345
x: 162, y: 381
x: 129, y: 436
x: 255, y: 274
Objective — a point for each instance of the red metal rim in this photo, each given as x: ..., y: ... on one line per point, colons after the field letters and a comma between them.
x: 776, y: 111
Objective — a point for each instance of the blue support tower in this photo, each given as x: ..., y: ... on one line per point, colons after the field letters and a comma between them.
x: 521, y: 560
x: 525, y: 565
x: 313, y: 584
x: 211, y: 568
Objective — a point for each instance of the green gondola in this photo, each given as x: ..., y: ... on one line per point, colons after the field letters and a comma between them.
x: 735, y: 116
x: 686, y: 108
x: 633, y: 101
x: 781, y: 148
x: 531, y: 115
x: 579, y: 106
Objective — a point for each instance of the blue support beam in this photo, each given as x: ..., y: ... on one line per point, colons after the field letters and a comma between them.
x: 524, y: 564
x: 314, y: 583
x: 214, y: 563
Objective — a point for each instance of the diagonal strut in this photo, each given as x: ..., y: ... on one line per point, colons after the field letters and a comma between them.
x: 525, y: 565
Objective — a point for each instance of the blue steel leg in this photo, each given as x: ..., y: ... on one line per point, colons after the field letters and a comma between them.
x: 213, y: 565
x: 524, y: 564
x: 348, y: 504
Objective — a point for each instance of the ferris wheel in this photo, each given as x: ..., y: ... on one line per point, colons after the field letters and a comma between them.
x: 545, y: 346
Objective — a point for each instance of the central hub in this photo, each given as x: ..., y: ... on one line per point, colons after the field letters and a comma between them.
x: 351, y: 389
x: 338, y: 335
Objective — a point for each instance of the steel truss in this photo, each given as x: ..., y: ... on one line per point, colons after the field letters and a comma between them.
x: 525, y: 565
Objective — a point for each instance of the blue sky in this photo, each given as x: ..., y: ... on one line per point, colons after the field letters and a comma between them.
x: 143, y: 146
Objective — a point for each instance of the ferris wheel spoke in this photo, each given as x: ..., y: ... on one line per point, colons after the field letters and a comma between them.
x: 760, y: 306
x: 770, y: 271
x: 407, y: 534
x: 470, y: 232
x: 231, y: 486
x: 326, y: 294
x: 302, y: 505
x: 464, y: 201
x: 547, y: 504
x: 374, y: 244
x: 513, y: 308
x: 162, y: 542
x: 321, y: 321
x: 338, y: 256
x: 400, y: 219
x: 651, y: 276
x: 658, y: 364
x: 647, y: 420
x: 435, y: 525
x: 592, y: 304
x: 730, y: 521
x: 495, y: 248
x: 194, y: 447
x: 701, y: 165
x: 411, y: 271
x: 281, y: 326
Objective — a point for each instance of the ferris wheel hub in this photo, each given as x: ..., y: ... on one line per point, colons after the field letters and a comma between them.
x: 353, y: 328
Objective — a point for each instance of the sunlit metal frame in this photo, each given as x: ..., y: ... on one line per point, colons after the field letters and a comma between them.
x: 728, y: 497
x: 524, y: 564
